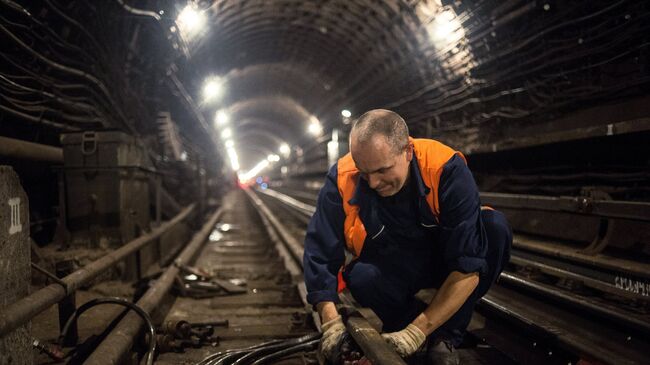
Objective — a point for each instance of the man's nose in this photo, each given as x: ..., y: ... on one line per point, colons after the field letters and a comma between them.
x: 373, y: 181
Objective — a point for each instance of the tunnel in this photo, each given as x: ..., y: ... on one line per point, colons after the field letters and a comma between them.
x: 204, y: 182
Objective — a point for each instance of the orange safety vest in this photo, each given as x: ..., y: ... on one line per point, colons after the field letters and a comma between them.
x: 431, y: 156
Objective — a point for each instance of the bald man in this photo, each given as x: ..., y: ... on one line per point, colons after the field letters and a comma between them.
x: 407, y: 211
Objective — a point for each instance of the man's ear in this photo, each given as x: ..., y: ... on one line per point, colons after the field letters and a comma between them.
x: 409, y: 152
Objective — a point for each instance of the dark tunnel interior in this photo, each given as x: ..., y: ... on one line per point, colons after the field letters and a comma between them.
x: 117, y: 116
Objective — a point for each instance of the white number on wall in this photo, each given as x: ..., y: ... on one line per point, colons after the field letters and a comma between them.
x: 14, y: 206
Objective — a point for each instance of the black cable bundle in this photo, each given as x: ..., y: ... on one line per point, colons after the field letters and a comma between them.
x: 263, y: 353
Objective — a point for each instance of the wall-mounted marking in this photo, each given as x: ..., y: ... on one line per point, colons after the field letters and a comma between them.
x: 15, y: 226
x: 632, y: 285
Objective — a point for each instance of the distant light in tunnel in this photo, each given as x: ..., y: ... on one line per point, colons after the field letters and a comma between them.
x: 212, y: 89
x: 315, y: 129
x: 314, y: 126
x: 285, y: 149
x: 273, y: 158
x: 234, y: 159
x: 190, y: 21
x: 346, y: 113
x: 221, y: 118
x: 230, y: 143
x: 254, y: 171
x: 226, y: 133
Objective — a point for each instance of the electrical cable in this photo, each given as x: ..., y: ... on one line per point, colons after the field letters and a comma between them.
x: 123, y: 302
x: 263, y: 353
x: 307, y: 346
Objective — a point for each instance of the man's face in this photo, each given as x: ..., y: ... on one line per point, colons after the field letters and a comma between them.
x: 384, y: 169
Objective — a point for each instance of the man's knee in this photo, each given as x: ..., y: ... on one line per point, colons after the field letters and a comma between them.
x: 498, y: 230
x: 499, y: 235
x: 362, y: 279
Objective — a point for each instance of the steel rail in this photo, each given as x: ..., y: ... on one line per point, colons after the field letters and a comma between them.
x: 579, y: 334
x: 370, y: 341
x: 629, y: 319
x: 119, y: 342
x: 632, y: 321
x: 614, y: 264
x: 23, y: 310
x: 571, y: 204
x: 295, y: 203
x: 16, y: 148
x: 602, y: 280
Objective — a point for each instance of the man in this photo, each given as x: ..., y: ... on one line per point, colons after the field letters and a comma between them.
x: 408, y: 210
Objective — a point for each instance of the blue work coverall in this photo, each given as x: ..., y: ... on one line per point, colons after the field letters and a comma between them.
x: 406, y: 249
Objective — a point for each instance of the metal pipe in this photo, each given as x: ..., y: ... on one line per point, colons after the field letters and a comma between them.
x: 20, y: 312
x: 373, y: 345
x: 120, y: 340
x: 572, y: 204
x: 15, y: 148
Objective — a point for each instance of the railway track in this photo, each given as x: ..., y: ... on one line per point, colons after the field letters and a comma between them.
x: 245, y: 290
x: 550, y: 305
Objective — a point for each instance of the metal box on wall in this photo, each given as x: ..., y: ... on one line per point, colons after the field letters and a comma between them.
x: 106, y: 177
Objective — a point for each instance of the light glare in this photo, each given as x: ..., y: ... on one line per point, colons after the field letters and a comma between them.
x: 346, y: 113
x: 254, y: 171
x: 222, y: 118
x: 445, y: 29
x: 230, y: 144
x: 285, y: 149
x: 190, y: 21
x: 315, y: 128
x: 234, y: 160
x: 226, y: 133
x: 212, y: 89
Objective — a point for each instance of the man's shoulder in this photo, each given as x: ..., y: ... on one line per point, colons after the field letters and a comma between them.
x: 345, y: 165
x: 429, y: 143
x: 432, y: 154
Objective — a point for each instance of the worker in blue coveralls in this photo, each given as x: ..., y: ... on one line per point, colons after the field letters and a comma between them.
x: 408, y: 213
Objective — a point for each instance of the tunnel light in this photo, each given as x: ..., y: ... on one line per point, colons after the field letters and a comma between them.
x: 346, y: 113
x: 234, y: 159
x: 285, y: 149
x: 190, y: 21
x: 445, y: 29
x: 315, y: 129
x: 254, y: 171
x: 230, y: 143
x: 273, y: 158
x: 221, y: 118
x: 226, y: 133
x: 212, y: 89
x: 314, y: 126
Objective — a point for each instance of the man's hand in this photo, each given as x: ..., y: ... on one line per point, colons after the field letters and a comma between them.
x: 406, y: 341
x: 333, y: 331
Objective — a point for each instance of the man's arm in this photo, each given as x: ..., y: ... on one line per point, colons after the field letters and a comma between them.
x: 464, y: 244
x: 448, y: 299
x: 324, y: 249
x: 327, y: 311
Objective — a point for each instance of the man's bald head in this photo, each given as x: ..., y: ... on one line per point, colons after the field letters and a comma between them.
x: 381, y: 122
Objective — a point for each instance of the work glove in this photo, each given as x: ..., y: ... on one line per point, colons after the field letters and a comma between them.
x: 333, y: 331
x: 406, y: 341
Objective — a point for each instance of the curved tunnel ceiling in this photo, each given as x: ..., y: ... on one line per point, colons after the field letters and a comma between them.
x: 285, y: 61
x: 458, y: 68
